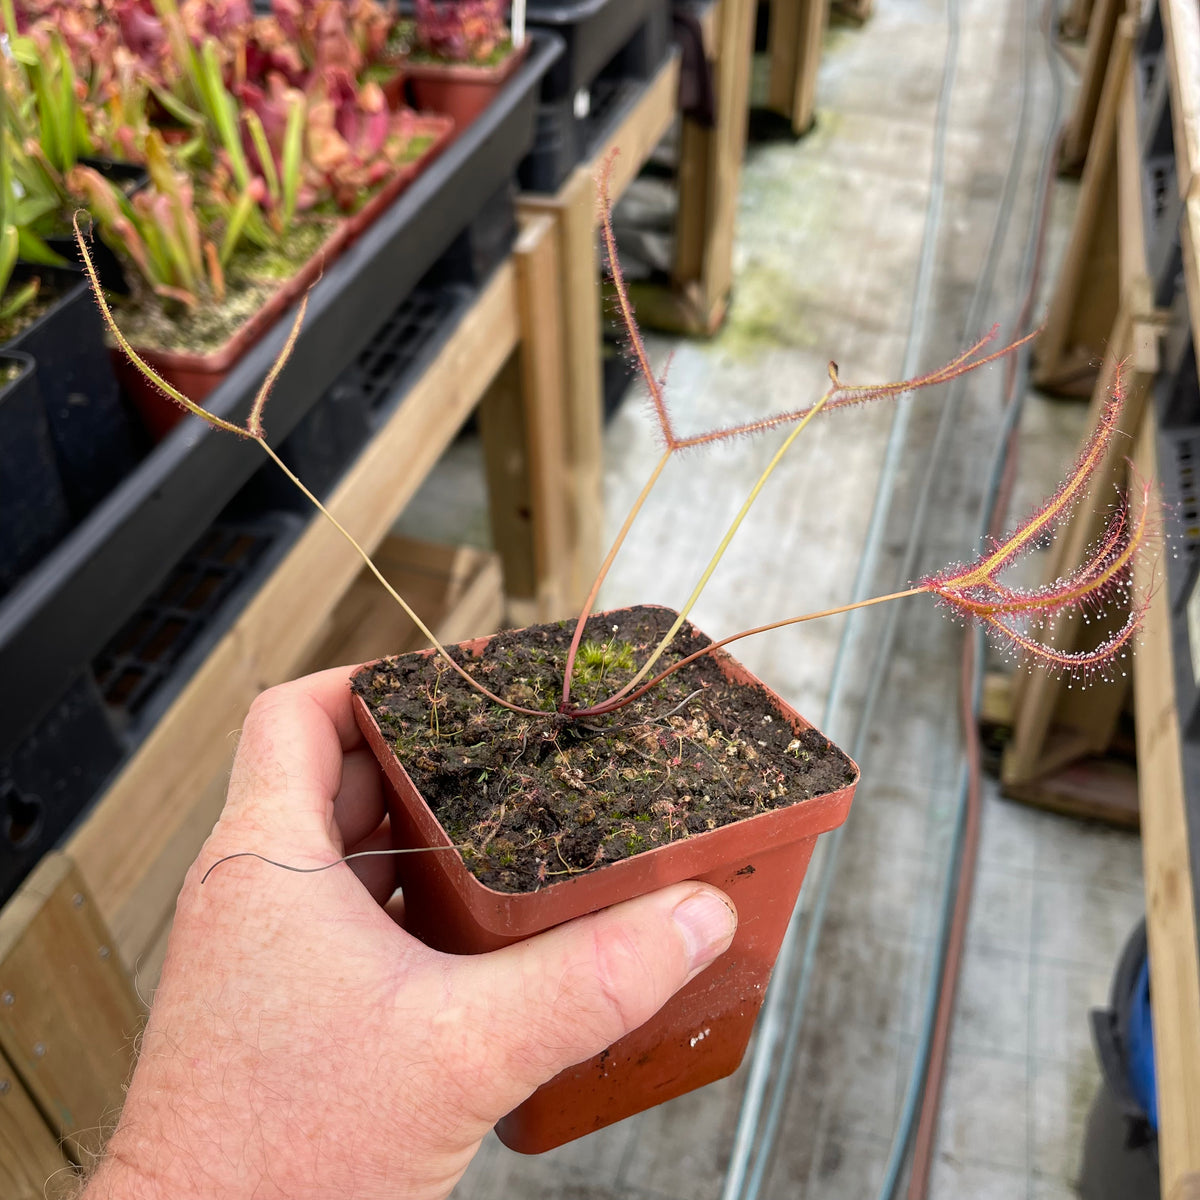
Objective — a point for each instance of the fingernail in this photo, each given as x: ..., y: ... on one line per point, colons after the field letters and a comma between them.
x: 707, y: 924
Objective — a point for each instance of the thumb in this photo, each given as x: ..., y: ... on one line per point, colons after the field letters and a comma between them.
x: 565, y: 995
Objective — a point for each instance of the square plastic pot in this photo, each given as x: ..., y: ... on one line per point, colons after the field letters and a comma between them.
x: 701, y: 1034
x: 198, y: 375
x: 459, y: 90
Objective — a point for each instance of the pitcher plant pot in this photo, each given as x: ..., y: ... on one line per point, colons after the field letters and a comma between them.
x: 759, y: 861
x: 199, y: 373
x: 459, y: 90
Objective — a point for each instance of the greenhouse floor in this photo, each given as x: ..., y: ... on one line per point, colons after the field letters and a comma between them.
x: 829, y: 236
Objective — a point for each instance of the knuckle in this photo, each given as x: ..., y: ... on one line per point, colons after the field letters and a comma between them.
x: 626, y: 981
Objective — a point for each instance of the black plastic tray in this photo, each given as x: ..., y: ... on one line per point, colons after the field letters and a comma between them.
x: 614, y: 48
x: 1162, y: 203
x: 49, y: 778
x: 329, y: 438
x: 64, y: 611
x: 158, y: 649
x: 594, y: 32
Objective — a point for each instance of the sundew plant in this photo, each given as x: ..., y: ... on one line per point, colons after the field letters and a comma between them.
x: 1017, y: 618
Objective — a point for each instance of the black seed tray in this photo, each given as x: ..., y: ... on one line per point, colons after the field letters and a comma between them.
x: 158, y: 649
x: 50, y: 777
x: 328, y: 440
x: 614, y: 48
x: 62, y: 614
x: 621, y: 37
x: 1177, y: 407
x: 1162, y: 203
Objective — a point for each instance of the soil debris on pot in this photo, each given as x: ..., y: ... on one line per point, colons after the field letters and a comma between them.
x: 533, y: 801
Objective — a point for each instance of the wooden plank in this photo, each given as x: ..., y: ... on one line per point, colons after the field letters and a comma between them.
x: 456, y: 590
x: 795, y: 34
x: 1084, y: 119
x: 1075, y: 20
x: 584, y: 414
x: 135, y: 846
x: 1086, y: 295
x: 68, y: 1015
x: 543, y: 386
x: 708, y: 181
x: 732, y: 86
x: 1131, y: 228
x: 510, y: 512
x: 32, y: 1166
x: 1181, y: 42
x: 1170, y: 889
x: 576, y: 216
x: 1097, y: 789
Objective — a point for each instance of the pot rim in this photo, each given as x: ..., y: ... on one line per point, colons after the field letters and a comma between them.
x: 639, y: 867
x: 461, y: 72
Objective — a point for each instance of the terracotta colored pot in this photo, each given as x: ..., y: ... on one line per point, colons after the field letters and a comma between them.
x: 459, y: 90
x: 702, y: 1032
x: 197, y: 375
x: 434, y: 125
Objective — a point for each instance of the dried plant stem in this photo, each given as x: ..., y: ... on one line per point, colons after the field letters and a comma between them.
x: 719, y: 553
x: 602, y: 574
x: 620, y: 700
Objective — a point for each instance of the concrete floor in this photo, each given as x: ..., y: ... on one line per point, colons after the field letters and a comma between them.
x: 829, y: 232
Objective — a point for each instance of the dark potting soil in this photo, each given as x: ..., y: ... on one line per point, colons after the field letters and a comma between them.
x: 533, y: 799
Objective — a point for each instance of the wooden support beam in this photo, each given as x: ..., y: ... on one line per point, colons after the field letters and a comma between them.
x: 1086, y: 294
x: 68, y: 1014
x: 709, y: 178
x: 1170, y: 887
x: 1181, y: 43
x: 457, y: 591
x: 795, y: 34
x: 574, y: 214
x: 32, y: 1166
x: 1084, y: 120
x: 543, y: 386
x: 1075, y: 20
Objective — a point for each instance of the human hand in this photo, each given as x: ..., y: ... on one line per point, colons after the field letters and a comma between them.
x: 301, y: 1045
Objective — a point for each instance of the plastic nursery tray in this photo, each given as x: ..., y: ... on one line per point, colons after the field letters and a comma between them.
x: 50, y: 776
x: 158, y: 649
x: 58, y: 618
x: 329, y: 438
x: 614, y: 48
x: 1162, y: 203
x: 628, y: 36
